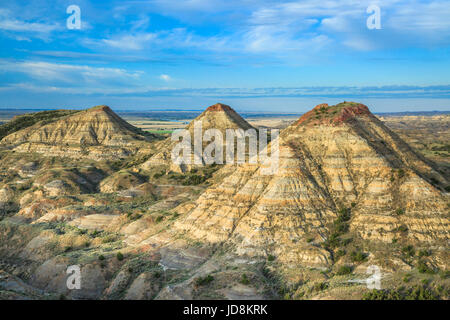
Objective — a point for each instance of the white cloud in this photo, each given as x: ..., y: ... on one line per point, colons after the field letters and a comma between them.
x: 165, y: 77
x: 67, y: 73
x: 268, y: 92
x: 284, y: 31
x: 157, y: 41
x: 130, y: 42
x: 38, y: 29
x: 421, y: 17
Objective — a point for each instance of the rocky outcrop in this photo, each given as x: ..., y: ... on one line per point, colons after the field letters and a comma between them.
x: 96, y: 133
x: 218, y: 116
x: 333, y: 157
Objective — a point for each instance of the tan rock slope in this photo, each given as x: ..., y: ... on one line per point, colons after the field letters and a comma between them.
x: 333, y: 157
x: 218, y: 116
x: 96, y: 133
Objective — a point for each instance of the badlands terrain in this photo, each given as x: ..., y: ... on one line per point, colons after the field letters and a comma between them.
x: 352, y: 191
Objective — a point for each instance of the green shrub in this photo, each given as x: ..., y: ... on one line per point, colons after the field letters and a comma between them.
x: 101, y: 257
x: 270, y: 257
x: 333, y: 241
x: 320, y: 286
x: 424, y: 253
x: 343, y: 215
x: 358, y: 256
x: 399, y: 212
x: 341, y: 228
x: 346, y: 241
x: 158, y: 175
x: 194, y: 179
x: 244, y: 279
x: 424, y: 268
x: 202, y: 281
x: 339, y: 253
x: 343, y: 270
x: 407, y: 278
x: 414, y: 293
x: 119, y: 256
x: 408, y: 251
x: 95, y: 233
x: 381, y: 295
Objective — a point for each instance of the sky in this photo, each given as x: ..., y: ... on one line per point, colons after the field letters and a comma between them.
x: 255, y: 55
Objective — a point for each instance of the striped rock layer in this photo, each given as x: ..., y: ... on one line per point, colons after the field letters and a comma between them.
x: 333, y: 157
x: 218, y: 116
x: 97, y: 131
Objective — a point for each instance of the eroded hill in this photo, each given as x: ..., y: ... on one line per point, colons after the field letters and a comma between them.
x: 349, y: 194
x: 96, y: 133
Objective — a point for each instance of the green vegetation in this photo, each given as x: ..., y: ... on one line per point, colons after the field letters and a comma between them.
x: 423, y: 267
x: 29, y: 119
x: 424, y: 253
x: 119, y: 256
x: 202, y: 281
x: 407, y: 278
x: 340, y: 226
x: 270, y: 257
x: 339, y: 253
x: 192, y: 178
x: 343, y: 270
x: 444, y: 274
x: 159, y: 174
x: 244, y: 279
x: 358, y: 256
x: 402, y: 228
x: 320, y: 286
x: 418, y: 292
x: 408, y: 251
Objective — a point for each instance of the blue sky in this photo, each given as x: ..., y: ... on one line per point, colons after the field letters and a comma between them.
x: 254, y: 55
